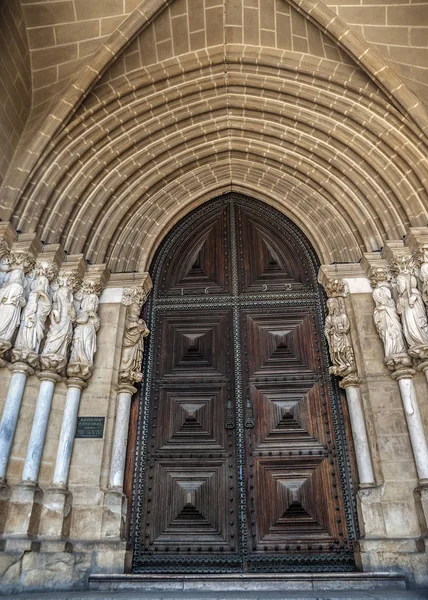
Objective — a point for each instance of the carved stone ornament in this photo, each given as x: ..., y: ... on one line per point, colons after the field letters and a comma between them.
x: 63, y: 315
x: 134, y: 296
x: 21, y: 259
x: 336, y: 287
x: 84, y: 344
x: 337, y: 333
x: 32, y: 329
x: 379, y: 275
x: 389, y: 329
x: 133, y: 344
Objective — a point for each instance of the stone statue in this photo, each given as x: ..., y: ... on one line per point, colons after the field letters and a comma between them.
x: 133, y: 345
x: 55, y: 352
x: 33, y: 320
x: 337, y: 334
x: 12, y: 300
x: 84, y: 343
x: 413, y: 316
x: 388, y: 323
x: 423, y: 273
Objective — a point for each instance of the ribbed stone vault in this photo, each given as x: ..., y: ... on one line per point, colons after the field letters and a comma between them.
x: 328, y: 135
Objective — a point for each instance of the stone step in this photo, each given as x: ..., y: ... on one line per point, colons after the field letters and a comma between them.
x: 246, y: 582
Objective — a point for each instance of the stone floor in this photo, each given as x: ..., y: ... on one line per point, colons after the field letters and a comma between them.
x: 348, y: 595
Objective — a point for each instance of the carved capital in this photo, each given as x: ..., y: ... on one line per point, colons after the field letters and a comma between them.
x: 135, y: 295
x: 21, y: 259
x: 4, y: 250
x: 380, y: 275
x: 351, y: 380
x: 53, y: 362
x: 126, y: 388
x: 25, y: 355
x: 336, y: 288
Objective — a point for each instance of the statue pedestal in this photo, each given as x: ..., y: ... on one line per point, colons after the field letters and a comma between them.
x: 55, y: 513
x: 24, y: 511
x: 114, y: 515
x: 370, y: 512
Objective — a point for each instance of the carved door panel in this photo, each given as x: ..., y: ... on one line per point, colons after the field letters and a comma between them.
x: 190, y: 505
x: 241, y: 459
x: 294, y: 506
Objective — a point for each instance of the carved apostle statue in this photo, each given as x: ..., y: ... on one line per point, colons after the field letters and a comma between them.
x: 84, y: 343
x: 387, y: 322
x: 412, y: 310
x: 33, y: 320
x: 60, y: 334
x: 337, y: 334
x: 12, y: 300
x: 133, y: 345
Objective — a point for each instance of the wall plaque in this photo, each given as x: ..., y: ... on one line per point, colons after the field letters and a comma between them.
x: 90, y: 427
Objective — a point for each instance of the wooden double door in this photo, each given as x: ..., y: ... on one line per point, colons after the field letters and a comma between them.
x: 241, y: 458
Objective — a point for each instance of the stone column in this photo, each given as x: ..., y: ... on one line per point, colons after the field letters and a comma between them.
x: 115, y: 506
x: 359, y: 432
x: 120, y: 437
x: 48, y: 380
x: 9, y: 420
x: 68, y: 430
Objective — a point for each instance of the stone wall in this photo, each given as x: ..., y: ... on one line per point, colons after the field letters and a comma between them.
x: 15, y: 81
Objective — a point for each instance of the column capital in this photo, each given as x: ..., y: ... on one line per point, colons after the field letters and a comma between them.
x: 351, y: 380
x: 76, y: 382
x: 21, y: 367
x: 49, y: 376
x: 126, y: 388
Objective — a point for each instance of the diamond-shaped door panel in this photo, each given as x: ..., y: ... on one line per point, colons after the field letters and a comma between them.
x: 200, y: 266
x: 192, y: 418
x: 281, y: 342
x: 293, y: 502
x: 182, y: 510
x: 285, y: 414
x: 195, y: 344
x: 268, y: 264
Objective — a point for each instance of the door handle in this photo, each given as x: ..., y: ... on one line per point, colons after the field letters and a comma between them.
x: 249, y: 414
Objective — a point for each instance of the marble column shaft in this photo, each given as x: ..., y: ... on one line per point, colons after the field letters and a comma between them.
x: 415, y: 426
x: 40, y: 424
x: 68, y: 431
x: 10, y: 415
x: 120, y: 439
x: 359, y: 434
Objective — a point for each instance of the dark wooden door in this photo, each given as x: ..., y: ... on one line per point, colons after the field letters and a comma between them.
x: 241, y: 459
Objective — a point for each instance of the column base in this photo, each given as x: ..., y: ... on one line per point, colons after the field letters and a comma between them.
x: 4, y: 502
x: 114, y: 515
x: 408, y: 556
x: 55, y: 514
x: 370, y: 511
x: 25, y: 506
x: 421, y: 500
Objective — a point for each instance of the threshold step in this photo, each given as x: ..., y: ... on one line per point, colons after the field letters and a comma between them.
x: 246, y: 582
